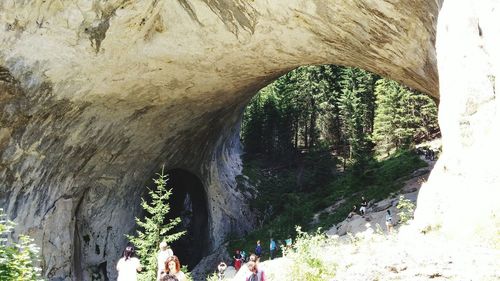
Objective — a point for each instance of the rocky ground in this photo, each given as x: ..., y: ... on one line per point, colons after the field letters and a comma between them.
x: 406, y: 255
x: 370, y: 253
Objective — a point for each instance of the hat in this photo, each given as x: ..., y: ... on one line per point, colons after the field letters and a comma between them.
x: 163, y: 244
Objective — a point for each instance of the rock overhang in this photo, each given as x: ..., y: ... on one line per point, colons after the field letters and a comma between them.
x: 113, y: 89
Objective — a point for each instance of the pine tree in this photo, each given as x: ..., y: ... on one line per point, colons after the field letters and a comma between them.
x: 388, y: 96
x: 154, y: 228
x: 252, y: 124
x: 403, y: 117
x: 17, y: 260
x: 356, y: 117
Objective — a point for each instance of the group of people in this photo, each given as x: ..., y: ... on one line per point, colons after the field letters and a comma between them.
x: 362, y: 208
x: 240, y: 256
x: 362, y: 211
x: 254, y: 272
x: 169, y: 266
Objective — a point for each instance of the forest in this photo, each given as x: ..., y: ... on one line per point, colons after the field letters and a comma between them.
x: 320, y: 134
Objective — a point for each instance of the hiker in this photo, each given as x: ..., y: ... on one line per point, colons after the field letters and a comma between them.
x: 364, y: 204
x: 253, y: 258
x: 255, y: 273
x: 173, y: 267
x: 128, y: 265
x: 353, y: 212
x: 221, y: 268
x: 164, y: 253
x: 237, y: 260
x: 258, y: 249
x: 288, y: 243
x: 243, y: 256
x: 388, y: 221
x: 272, y: 248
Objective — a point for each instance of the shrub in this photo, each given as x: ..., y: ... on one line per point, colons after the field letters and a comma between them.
x: 406, y: 208
x: 17, y: 259
x: 307, y: 264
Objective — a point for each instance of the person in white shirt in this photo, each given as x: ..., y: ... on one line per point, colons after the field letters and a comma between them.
x: 388, y: 221
x: 164, y: 253
x: 128, y: 265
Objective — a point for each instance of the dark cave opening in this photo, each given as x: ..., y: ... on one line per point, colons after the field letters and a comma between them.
x: 189, y: 202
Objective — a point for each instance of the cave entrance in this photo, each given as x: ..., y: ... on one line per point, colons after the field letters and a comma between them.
x: 189, y: 202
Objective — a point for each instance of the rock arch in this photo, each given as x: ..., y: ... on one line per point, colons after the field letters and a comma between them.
x: 95, y: 96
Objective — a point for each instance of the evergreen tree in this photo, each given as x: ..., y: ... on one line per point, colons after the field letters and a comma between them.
x: 252, y: 125
x: 155, y: 227
x: 355, y: 112
x: 271, y: 118
x: 329, y: 122
x: 403, y: 117
x: 17, y: 259
x: 336, y: 106
x: 388, y: 96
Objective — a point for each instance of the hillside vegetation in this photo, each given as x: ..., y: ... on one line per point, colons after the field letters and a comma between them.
x: 323, y: 136
x: 284, y: 199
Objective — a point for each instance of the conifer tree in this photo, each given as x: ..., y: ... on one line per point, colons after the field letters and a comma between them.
x: 252, y: 125
x: 17, y: 260
x: 356, y: 116
x: 386, y: 121
x: 403, y: 117
x: 155, y: 227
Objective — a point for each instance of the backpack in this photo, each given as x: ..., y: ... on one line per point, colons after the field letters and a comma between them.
x: 255, y: 276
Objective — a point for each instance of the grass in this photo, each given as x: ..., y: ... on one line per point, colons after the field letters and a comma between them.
x: 291, y: 194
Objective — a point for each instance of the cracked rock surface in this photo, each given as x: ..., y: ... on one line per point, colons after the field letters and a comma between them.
x: 96, y: 96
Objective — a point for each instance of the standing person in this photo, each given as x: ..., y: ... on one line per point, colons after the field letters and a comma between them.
x: 253, y: 258
x: 164, y: 253
x: 221, y: 268
x: 388, y: 221
x: 288, y: 243
x: 258, y: 249
x: 272, y: 248
x: 173, y: 267
x: 237, y: 260
x: 364, y: 204
x: 243, y: 255
x: 255, y: 273
x: 128, y: 265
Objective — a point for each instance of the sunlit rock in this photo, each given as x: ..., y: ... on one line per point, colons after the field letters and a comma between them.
x: 96, y: 96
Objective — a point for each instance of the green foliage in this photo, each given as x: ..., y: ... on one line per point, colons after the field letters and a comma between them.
x: 212, y: 277
x: 154, y: 228
x: 307, y: 263
x: 348, y: 109
x: 356, y: 109
x: 403, y: 117
x: 406, y: 209
x: 284, y: 116
x: 310, y: 139
x: 186, y: 272
x: 284, y: 201
x: 380, y: 180
x: 17, y: 259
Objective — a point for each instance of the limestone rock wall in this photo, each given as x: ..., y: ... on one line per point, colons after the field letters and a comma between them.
x: 97, y: 95
x: 460, y: 196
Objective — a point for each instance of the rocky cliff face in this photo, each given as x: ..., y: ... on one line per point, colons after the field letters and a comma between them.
x: 97, y: 95
x: 460, y: 196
